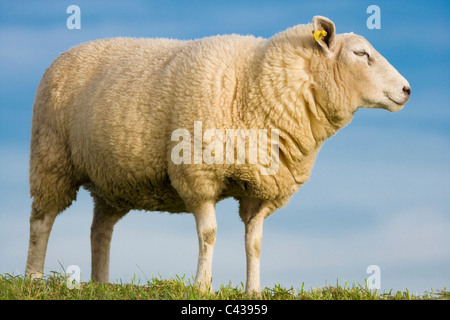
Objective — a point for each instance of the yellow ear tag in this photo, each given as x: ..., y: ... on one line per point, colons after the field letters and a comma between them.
x: 319, y: 34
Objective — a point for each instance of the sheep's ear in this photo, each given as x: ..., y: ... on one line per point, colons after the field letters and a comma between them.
x: 326, y: 42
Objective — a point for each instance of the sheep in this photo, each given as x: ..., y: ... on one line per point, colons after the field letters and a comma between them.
x: 117, y: 117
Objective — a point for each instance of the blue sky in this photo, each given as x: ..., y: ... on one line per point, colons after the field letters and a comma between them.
x: 378, y: 194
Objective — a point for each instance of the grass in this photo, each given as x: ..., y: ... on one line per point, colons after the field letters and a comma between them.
x: 54, y: 287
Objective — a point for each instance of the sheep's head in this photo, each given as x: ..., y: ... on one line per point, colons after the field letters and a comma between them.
x: 356, y: 70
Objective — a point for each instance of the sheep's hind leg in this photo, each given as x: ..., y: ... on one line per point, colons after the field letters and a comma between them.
x: 205, y: 220
x: 41, y: 223
x: 47, y: 204
x: 105, y: 217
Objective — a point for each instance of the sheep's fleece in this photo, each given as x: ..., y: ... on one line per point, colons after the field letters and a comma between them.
x: 116, y: 116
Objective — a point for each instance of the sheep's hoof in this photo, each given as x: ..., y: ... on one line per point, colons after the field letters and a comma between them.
x: 205, y: 288
x: 34, y: 275
x: 255, y: 294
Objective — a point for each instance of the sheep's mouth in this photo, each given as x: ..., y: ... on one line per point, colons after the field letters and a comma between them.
x: 396, y: 102
x: 396, y: 106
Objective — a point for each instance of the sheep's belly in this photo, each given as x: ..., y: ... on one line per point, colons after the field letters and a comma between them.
x: 141, y: 197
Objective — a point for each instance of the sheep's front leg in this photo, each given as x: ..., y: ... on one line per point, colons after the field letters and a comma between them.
x: 205, y: 220
x: 253, y: 212
x: 253, y: 239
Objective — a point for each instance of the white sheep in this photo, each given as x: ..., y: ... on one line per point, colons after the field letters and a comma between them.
x: 119, y: 117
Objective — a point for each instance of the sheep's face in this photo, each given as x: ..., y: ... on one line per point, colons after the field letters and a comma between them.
x: 359, y: 72
x: 374, y: 81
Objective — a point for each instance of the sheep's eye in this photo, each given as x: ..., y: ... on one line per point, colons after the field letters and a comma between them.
x: 364, y: 53
x: 361, y: 53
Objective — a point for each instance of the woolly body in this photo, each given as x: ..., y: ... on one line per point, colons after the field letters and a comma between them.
x: 116, y: 102
x: 105, y: 111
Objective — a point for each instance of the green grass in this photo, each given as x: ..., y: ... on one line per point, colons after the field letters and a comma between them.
x: 54, y: 288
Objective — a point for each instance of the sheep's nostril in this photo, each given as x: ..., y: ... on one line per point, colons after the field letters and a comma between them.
x: 407, y: 90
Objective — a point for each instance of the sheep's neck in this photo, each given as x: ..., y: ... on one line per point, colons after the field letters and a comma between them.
x: 271, y: 105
